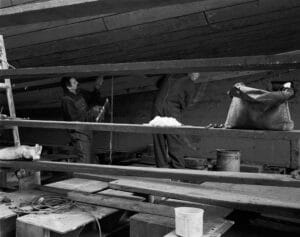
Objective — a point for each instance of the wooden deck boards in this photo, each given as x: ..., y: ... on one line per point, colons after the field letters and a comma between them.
x: 196, y: 193
x: 81, y: 185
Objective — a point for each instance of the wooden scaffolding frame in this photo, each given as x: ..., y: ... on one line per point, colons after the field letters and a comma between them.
x: 273, y: 62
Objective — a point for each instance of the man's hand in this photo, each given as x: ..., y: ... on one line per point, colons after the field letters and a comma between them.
x: 97, y: 108
x: 99, y: 82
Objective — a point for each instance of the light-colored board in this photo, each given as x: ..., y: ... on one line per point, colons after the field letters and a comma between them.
x: 5, y: 212
x: 69, y: 220
x: 258, y: 191
x: 212, y: 196
x: 121, y: 194
x: 82, y: 185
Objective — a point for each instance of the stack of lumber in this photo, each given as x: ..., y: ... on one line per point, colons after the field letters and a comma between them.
x: 102, y: 203
x: 125, y: 188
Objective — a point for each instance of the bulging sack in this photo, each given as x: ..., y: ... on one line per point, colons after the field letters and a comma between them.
x: 253, y: 108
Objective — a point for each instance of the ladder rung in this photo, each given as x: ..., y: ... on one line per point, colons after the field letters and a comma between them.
x: 3, y: 86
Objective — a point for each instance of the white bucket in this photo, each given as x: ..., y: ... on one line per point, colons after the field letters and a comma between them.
x: 189, y: 221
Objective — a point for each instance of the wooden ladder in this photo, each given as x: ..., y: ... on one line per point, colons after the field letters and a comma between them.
x: 6, y: 85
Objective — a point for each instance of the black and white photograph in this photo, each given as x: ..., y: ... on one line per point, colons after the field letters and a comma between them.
x: 149, y: 118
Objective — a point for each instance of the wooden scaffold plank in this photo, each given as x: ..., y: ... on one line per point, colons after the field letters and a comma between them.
x: 195, y: 176
x: 247, y: 200
x: 144, y: 128
x: 245, y: 63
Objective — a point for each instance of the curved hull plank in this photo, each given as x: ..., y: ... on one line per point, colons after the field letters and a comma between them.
x: 40, y: 11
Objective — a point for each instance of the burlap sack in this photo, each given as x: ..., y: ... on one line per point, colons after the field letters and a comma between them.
x: 253, y: 108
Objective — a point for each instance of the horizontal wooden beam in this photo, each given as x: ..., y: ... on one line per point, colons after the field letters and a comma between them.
x: 195, y: 176
x: 122, y: 203
x: 245, y: 63
x: 232, y: 199
x: 139, y: 128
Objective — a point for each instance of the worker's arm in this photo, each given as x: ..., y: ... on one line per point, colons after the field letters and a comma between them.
x: 190, y: 94
x: 94, y: 97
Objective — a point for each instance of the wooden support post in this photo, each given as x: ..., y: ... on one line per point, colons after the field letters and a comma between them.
x: 30, y: 180
x: 3, y: 178
x: 295, y: 153
x: 7, y: 222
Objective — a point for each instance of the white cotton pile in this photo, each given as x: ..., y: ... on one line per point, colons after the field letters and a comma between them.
x: 164, y: 122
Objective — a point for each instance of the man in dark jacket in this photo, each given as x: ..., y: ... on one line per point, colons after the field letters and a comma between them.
x: 174, y: 96
x: 80, y: 105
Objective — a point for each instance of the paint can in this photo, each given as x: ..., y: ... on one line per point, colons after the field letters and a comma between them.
x: 189, y: 221
x: 228, y: 160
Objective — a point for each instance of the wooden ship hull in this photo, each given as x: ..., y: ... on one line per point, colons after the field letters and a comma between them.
x: 42, y: 33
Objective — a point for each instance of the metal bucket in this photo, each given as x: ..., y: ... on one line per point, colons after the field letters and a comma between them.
x: 228, y: 160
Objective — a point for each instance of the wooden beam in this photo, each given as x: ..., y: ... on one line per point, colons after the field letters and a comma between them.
x: 123, y: 203
x: 61, y: 9
x: 246, y: 63
x: 195, y: 176
x: 166, y: 208
x: 231, y: 199
x: 139, y: 128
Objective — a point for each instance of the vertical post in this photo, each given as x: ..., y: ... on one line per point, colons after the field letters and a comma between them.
x: 10, y: 99
x: 295, y: 154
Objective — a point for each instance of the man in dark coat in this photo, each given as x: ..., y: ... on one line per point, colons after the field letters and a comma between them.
x: 175, y: 94
x: 81, y: 105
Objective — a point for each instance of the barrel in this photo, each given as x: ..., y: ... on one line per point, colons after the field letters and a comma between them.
x: 228, y: 160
